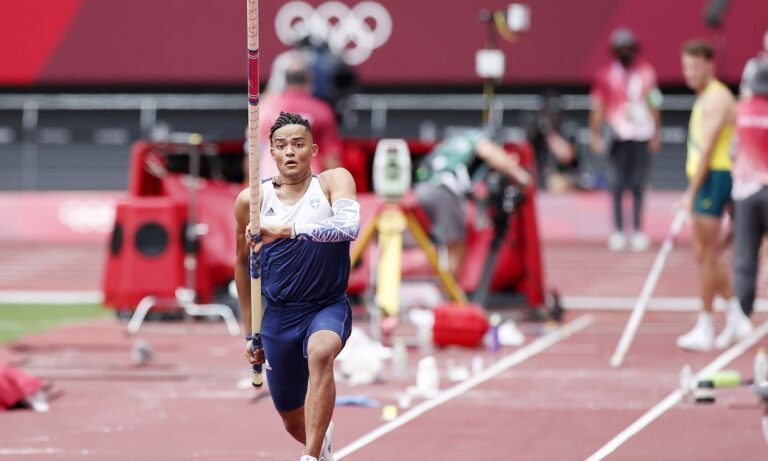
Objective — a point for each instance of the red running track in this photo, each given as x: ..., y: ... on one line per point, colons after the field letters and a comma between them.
x: 562, y: 403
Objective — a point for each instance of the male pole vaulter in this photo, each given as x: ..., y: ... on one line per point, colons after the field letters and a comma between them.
x: 307, y: 224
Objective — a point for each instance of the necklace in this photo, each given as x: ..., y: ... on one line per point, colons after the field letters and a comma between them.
x: 277, y: 184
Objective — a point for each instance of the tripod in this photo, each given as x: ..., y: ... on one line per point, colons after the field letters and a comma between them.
x: 390, y: 221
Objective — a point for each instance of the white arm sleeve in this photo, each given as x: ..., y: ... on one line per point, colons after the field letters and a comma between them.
x: 343, y: 226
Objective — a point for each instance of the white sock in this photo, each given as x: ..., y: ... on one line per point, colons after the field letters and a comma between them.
x: 765, y: 427
x: 705, y: 319
x: 308, y: 458
x: 734, y: 309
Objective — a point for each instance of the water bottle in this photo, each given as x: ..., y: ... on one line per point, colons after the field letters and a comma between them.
x: 478, y: 364
x: 686, y: 381
x: 493, y: 340
x: 764, y: 424
x: 428, y: 377
x: 399, y: 360
x: 760, y: 366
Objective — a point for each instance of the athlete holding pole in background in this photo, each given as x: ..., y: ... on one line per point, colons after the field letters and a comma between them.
x: 709, y: 190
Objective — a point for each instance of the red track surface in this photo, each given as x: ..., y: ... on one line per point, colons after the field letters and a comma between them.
x: 564, y: 403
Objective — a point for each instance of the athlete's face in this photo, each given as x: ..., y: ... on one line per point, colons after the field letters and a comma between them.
x: 292, y: 149
x: 697, y: 72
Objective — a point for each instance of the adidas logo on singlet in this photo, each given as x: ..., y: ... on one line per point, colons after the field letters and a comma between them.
x: 270, y: 212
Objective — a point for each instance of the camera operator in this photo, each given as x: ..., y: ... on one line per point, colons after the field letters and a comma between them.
x: 553, y: 138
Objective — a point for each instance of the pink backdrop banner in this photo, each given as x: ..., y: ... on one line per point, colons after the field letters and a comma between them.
x: 57, y: 217
x: 395, y: 41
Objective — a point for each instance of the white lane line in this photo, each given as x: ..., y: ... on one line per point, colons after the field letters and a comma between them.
x: 50, y: 297
x: 502, y: 365
x: 594, y: 303
x: 671, y: 400
x: 668, y: 304
x: 29, y: 451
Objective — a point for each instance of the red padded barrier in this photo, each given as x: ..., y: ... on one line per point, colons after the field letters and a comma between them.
x: 145, y: 255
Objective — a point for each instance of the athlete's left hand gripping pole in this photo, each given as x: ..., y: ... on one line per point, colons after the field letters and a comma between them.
x: 254, y: 179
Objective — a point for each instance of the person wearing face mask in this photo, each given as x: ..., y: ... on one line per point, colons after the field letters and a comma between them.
x: 626, y: 98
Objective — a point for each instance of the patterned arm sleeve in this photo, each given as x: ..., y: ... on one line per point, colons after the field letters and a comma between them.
x: 343, y: 226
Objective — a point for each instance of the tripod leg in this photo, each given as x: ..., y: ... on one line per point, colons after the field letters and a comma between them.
x: 449, y: 282
x: 364, y: 239
x: 391, y: 227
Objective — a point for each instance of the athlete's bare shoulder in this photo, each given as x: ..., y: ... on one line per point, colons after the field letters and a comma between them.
x: 721, y: 96
x: 719, y: 102
x: 243, y: 203
x: 335, y: 174
x: 337, y: 183
x: 244, y: 195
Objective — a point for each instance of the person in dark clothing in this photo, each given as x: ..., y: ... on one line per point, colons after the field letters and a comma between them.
x: 625, y: 96
x: 553, y: 138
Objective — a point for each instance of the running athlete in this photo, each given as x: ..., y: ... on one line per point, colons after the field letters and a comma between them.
x: 709, y: 189
x: 307, y: 223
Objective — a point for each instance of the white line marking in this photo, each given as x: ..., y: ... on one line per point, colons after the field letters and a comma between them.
x: 50, y: 297
x: 669, y: 304
x: 502, y: 365
x: 596, y: 303
x: 106, y: 374
x: 29, y: 451
x: 671, y: 400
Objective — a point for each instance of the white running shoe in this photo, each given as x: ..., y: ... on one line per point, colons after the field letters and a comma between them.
x: 737, y: 326
x: 700, y: 338
x: 639, y: 242
x: 325, y: 450
x: 617, y: 241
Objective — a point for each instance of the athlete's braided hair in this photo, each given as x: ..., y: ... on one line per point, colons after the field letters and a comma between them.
x: 288, y: 118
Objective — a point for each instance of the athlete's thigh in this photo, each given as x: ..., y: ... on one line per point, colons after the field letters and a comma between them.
x: 335, y: 317
x: 706, y: 230
x: 287, y: 371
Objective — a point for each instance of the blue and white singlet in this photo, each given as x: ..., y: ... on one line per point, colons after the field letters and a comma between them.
x: 300, y: 271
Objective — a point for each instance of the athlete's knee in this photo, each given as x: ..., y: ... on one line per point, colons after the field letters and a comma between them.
x: 321, y: 356
x: 294, y: 424
x: 322, y: 351
x: 707, y: 256
x: 700, y: 251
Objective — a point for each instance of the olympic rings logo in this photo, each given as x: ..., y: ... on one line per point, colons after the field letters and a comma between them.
x: 352, y: 33
x: 86, y: 216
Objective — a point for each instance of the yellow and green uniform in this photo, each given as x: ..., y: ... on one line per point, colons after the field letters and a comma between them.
x: 715, y: 192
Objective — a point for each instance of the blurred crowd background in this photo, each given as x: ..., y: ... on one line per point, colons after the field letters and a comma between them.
x: 83, y: 79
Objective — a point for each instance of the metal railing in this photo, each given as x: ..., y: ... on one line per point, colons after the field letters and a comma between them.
x: 378, y: 105
x: 372, y: 115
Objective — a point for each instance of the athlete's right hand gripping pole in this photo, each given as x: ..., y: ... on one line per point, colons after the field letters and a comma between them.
x: 645, y: 295
x: 254, y: 180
